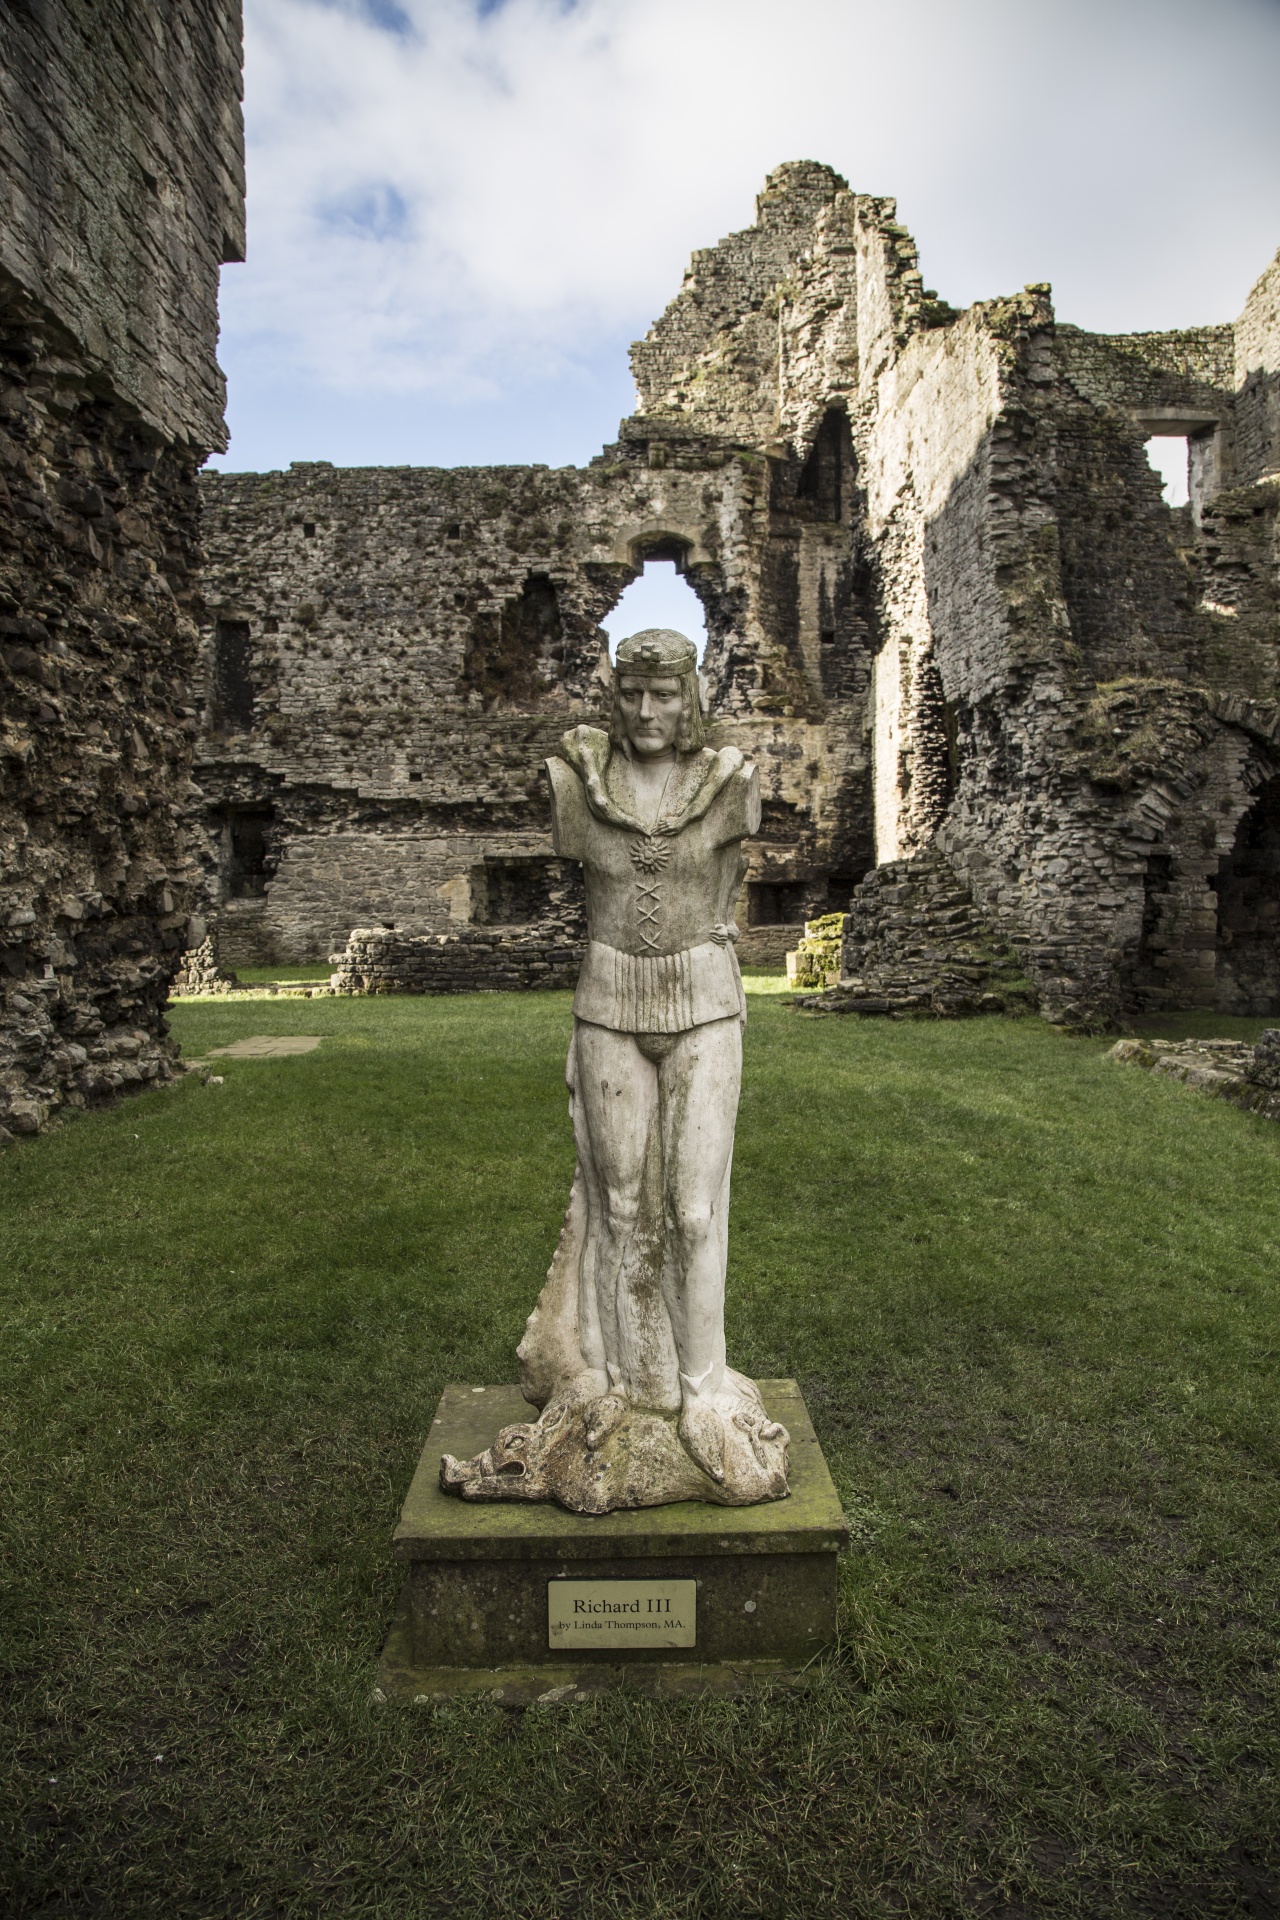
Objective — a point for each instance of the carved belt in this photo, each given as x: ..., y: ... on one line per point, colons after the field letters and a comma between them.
x: 658, y: 992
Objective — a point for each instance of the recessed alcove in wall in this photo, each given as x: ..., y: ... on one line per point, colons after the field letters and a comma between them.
x: 522, y: 890
x: 659, y: 597
x: 777, y: 903
x: 517, y: 649
x: 232, y: 689
x: 1248, y: 889
x: 244, y: 850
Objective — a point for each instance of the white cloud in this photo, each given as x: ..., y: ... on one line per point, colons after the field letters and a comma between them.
x: 477, y: 202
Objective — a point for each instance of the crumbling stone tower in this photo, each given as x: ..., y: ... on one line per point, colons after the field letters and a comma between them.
x: 949, y: 614
x: 121, y: 155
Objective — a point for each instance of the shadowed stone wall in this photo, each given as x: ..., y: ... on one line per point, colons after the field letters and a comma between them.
x: 120, y: 146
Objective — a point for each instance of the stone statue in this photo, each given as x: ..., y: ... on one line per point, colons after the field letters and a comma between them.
x: 625, y: 1350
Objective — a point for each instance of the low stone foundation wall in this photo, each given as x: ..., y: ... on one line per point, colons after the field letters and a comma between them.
x: 765, y: 949
x: 1248, y: 1077
x: 472, y: 960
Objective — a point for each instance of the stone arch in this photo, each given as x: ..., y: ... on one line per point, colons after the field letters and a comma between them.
x: 668, y: 540
x: 636, y: 541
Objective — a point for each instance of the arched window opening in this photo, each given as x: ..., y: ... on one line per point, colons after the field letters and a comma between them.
x: 1248, y: 887
x: 1167, y: 453
x: 659, y: 597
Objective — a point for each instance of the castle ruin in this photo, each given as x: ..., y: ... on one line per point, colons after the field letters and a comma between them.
x: 1005, y: 700
x: 973, y: 651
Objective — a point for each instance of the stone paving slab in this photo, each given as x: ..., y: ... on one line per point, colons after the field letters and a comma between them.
x: 268, y: 1046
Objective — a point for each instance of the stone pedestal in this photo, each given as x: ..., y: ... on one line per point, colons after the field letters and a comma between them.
x: 526, y: 1600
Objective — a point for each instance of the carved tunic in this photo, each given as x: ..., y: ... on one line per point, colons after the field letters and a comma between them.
x: 656, y: 889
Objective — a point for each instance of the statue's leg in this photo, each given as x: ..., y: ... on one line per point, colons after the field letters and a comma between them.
x: 614, y: 1099
x: 590, y: 1333
x: 699, y: 1085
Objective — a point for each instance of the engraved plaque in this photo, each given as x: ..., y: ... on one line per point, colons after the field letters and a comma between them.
x: 621, y: 1613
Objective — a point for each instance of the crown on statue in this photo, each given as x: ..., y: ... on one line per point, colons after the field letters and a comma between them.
x: 655, y: 651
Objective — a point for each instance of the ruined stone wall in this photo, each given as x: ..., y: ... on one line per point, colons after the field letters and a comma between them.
x: 121, y: 150
x: 391, y: 654
x: 1257, y: 378
x: 949, y: 614
x: 120, y: 146
x: 1035, y: 597
x: 1093, y: 796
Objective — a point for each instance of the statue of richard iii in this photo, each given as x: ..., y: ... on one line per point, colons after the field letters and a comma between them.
x: 625, y: 1351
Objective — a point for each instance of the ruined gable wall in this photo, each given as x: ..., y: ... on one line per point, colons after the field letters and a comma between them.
x: 119, y: 137
x: 714, y: 353
x: 413, y: 658
x: 1257, y: 378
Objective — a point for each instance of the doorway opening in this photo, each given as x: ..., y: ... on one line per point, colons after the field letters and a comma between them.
x: 658, y: 597
x: 1248, y: 889
x: 246, y: 851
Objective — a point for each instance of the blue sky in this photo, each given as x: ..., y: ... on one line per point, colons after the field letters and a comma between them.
x: 461, y: 214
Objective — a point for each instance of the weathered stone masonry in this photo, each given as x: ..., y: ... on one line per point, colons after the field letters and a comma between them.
x: 949, y: 614
x: 391, y: 654
x: 121, y: 155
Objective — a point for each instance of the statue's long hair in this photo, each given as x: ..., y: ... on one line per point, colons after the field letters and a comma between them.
x: 689, y: 734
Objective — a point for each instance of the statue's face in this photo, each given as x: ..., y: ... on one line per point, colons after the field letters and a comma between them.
x: 650, y: 713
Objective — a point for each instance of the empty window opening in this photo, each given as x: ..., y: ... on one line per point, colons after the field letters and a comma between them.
x: 777, y: 903
x: 1167, y: 453
x: 659, y: 597
x: 232, y: 690
x: 244, y: 849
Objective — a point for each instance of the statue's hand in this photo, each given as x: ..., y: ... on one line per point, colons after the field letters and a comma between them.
x: 725, y: 934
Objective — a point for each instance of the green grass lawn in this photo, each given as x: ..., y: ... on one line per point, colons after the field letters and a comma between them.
x: 1031, y: 1297
x: 277, y: 976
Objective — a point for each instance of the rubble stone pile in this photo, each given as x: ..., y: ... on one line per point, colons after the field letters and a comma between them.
x: 202, y: 973
x: 913, y: 942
